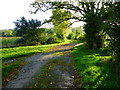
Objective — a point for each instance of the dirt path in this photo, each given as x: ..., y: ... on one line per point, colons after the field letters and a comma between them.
x: 34, y: 63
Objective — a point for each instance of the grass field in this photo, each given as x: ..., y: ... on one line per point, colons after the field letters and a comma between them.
x: 95, y: 68
x: 8, y: 41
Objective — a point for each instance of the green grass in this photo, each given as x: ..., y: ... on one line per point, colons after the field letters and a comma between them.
x: 95, y: 68
x: 10, y: 69
x: 8, y: 53
x: 8, y: 41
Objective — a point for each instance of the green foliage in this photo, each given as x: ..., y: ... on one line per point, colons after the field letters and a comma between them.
x: 7, y: 33
x: 31, y: 34
x: 95, y: 68
x: 93, y: 30
x: 112, y: 27
x: 61, y: 27
x: 52, y: 40
x: 23, y: 26
x: 9, y: 41
x: 71, y: 36
x: 33, y: 37
x: 77, y: 34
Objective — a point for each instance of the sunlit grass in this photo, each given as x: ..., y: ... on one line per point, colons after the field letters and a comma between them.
x: 10, y: 69
x: 8, y: 53
x: 95, y: 68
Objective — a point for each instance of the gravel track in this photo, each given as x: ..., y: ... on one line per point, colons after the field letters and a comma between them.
x: 34, y: 63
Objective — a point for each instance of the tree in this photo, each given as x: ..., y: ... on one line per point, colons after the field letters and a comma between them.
x: 112, y: 27
x: 61, y: 28
x: 30, y: 32
x: 23, y: 25
x: 81, y: 11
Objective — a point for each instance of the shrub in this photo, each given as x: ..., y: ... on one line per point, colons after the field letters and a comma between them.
x: 52, y: 40
x: 33, y: 37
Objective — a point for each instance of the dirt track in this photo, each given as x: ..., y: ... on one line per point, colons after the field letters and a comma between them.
x: 34, y: 63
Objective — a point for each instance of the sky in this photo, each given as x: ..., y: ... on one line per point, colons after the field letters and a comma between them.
x: 11, y: 10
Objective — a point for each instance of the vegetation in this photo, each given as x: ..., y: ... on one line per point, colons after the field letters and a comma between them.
x: 9, y: 70
x: 77, y: 33
x: 95, y: 68
x: 61, y: 27
x: 23, y: 25
x: 8, y: 53
x: 9, y: 41
x: 13, y: 66
x: 101, y: 25
x: 97, y: 61
x: 7, y: 33
x: 112, y: 28
x: 31, y: 34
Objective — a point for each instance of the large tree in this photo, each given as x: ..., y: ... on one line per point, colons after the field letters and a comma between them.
x: 112, y: 27
x: 89, y: 12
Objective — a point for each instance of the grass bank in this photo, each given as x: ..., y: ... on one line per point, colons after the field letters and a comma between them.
x: 95, y: 68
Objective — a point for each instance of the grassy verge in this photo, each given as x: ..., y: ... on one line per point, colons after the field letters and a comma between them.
x: 8, y: 53
x: 10, y: 69
x: 95, y: 68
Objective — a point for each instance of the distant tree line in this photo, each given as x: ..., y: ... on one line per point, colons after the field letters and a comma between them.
x: 7, y: 33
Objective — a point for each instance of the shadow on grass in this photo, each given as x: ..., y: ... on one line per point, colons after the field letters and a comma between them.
x: 95, y: 68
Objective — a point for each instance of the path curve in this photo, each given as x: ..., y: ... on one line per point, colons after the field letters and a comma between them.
x: 34, y: 63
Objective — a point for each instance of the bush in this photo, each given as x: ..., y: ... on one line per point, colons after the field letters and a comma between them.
x: 7, y: 33
x: 33, y: 37
x: 81, y: 37
x: 9, y: 41
x: 71, y: 36
x: 52, y: 40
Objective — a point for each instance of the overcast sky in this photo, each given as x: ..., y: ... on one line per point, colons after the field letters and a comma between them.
x: 10, y: 10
